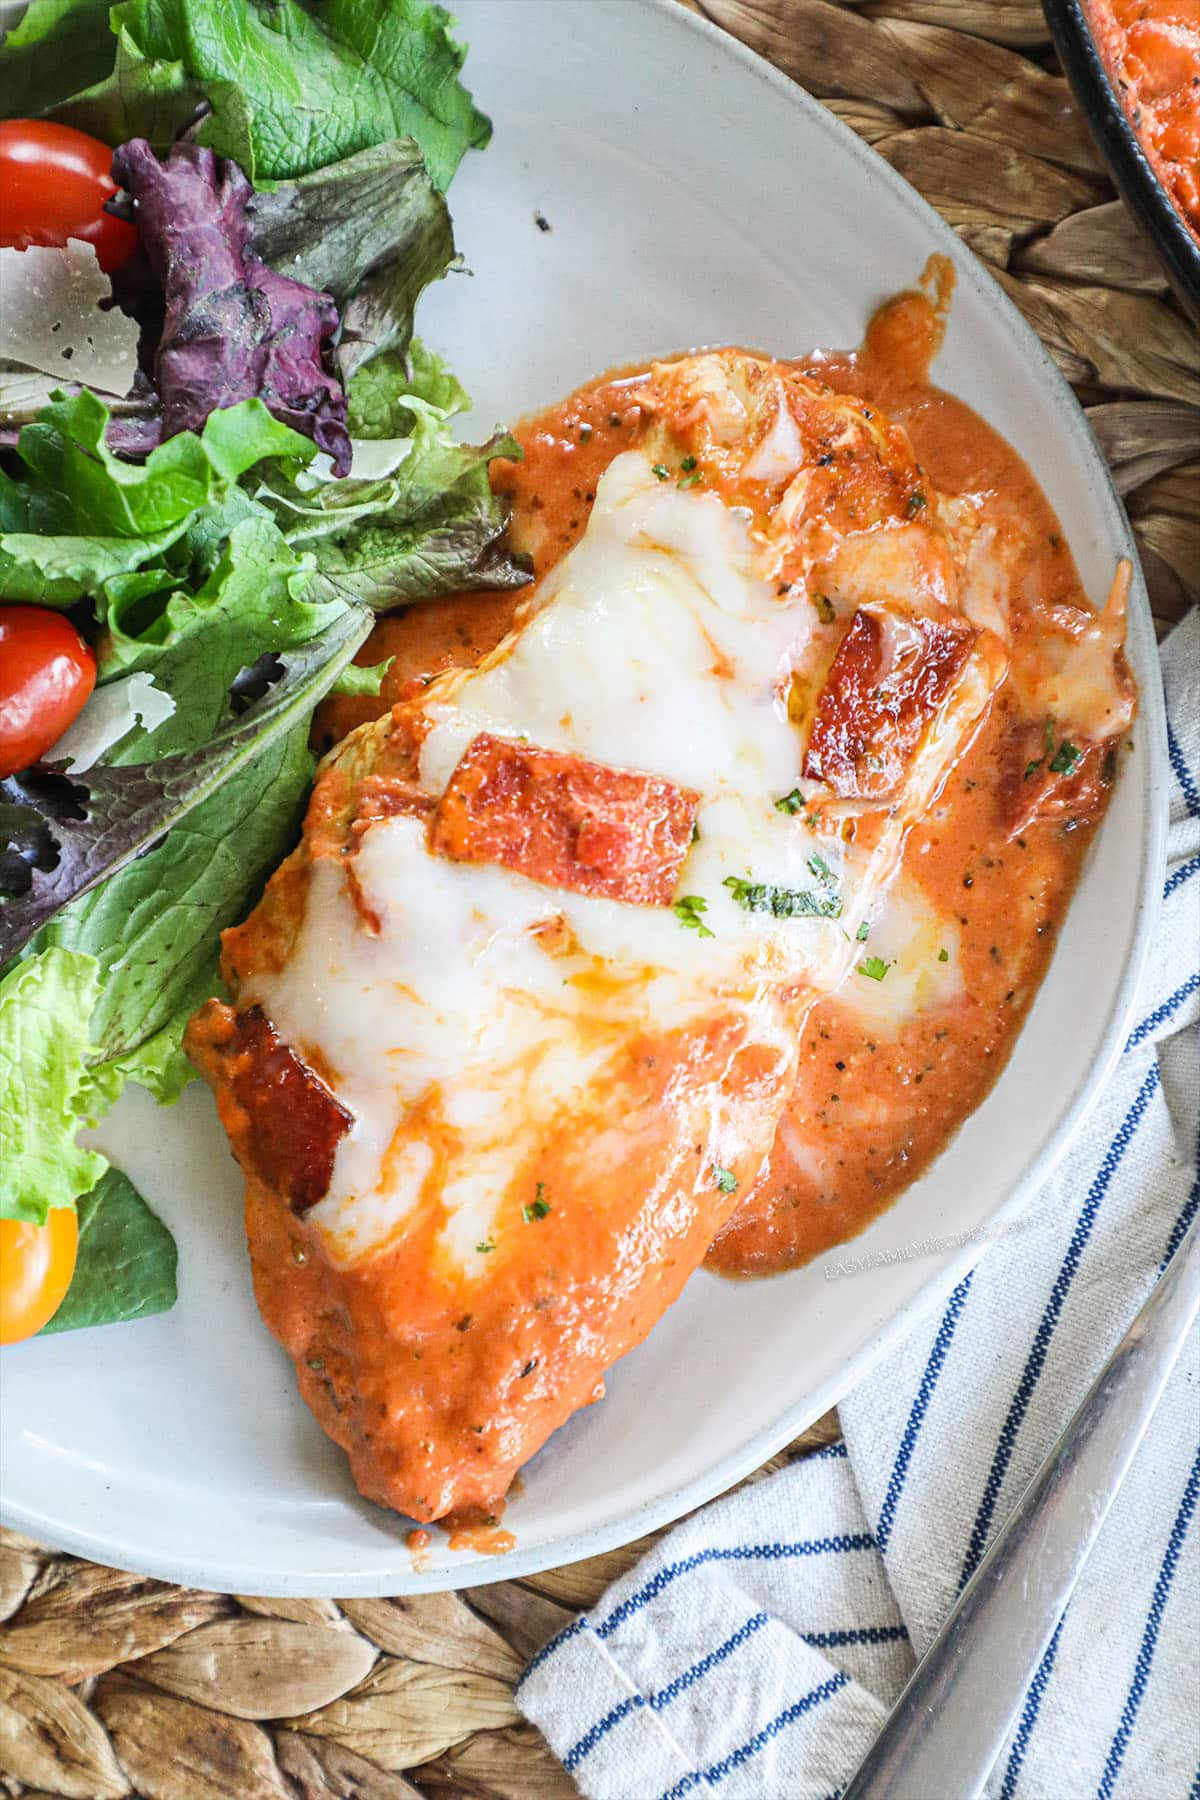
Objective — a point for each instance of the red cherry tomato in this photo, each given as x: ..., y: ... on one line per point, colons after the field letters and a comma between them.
x: 46, y: 675
x: 36, y: 1266
x: 54, y: 181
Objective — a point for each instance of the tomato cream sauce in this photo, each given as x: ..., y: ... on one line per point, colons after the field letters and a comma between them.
x: 888, y: 1069
x: 1152, y: 51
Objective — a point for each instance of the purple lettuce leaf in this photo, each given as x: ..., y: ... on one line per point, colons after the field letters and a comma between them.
x: 232, y: 327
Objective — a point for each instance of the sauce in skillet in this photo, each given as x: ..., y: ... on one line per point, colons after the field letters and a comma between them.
x: 1151, y: 49
x: 889, y: 1067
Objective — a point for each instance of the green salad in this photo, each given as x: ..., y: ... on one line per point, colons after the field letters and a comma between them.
x: 222, y: 453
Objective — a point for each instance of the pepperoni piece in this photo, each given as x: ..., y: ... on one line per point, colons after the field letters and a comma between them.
x: 565, y: 821
x: 283, y: 1121
x: 888, y: 679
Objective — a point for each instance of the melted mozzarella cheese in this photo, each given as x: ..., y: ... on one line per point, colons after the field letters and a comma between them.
x: 487, y: 1004
x: 909, y: 935
x: 658, y: 646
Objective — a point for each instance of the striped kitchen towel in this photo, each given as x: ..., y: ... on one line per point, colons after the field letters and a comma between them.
x: 757, y: 1651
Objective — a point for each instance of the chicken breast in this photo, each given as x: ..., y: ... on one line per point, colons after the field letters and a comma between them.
x: 514, y: 1026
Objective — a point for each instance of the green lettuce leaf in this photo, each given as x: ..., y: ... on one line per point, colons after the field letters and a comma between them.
x: 79, y: 833
x: 371, y: 230
x: 254, y: 601
x: 46, y: 1092
x: 293, y: 84
x: 380, y: 395
x: 79, y: 516
x: 362, y: 679
x: 158, y: 1063
x: 254, y: 624
x: 136, y: 97
x: 125, y: 1267
x: 431, y: 525
x: 435, y: 527
x: 55, y: 48
x: 155, y: 926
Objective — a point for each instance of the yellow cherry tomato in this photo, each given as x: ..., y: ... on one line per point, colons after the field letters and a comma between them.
x: 36, y: 1266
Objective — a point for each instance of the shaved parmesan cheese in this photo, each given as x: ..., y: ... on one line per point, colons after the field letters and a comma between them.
x: 111, y: 712
x: 23, y: 391
x: 50, y: 318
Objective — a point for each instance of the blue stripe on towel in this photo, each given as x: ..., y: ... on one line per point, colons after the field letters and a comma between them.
x: 1035, y: 1362
x: 1183, y: 873
x: 691, y: 1676
x: 1029, y: 1714
x: 717, y: 1773
x: 837, y: 1545
x: 1179, y: 1228
x: 1162, y: 1013
x: 556, y: 1643
x: 1183, y: 775
x: 862, y: 1634
x: 920, y: 1406
x: 1145, y: 1655
x: 600, y: 1730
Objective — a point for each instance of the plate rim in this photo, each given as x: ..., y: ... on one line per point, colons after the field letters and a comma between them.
x: 628, y: 1524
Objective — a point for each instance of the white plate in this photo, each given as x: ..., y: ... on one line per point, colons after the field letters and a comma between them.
x: 695, y: 196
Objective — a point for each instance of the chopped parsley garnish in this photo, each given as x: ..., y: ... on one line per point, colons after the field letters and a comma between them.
x: 686, y: 481
x: 824, y: 606
x: 821, y: 869
x: 1063, y: 761
x: 540, y: 1207
x: 943, y: 955
x: 874, y: 968
x: 1067, y: 759
x: 662, y: 471
x: 695, y: 837
x: 725, y: 1179
x: 791, y: 803
x: 688, y: 464
x: 784, y: 903
x: 688, y: 909
x: 863, y: 933
x: 486, y: 1248
x: 916, y: 501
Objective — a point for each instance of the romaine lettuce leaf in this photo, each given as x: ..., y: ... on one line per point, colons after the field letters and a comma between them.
x: 158, y: 1063
x: 125, y: 1266
x: 293, y: 84
x: 155, y: 926
x: 45, y: 1088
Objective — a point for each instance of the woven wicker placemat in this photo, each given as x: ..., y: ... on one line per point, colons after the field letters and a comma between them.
x: 113, y: 1685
